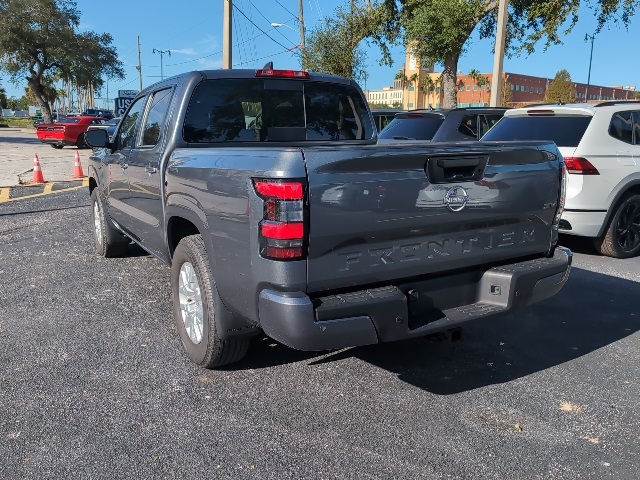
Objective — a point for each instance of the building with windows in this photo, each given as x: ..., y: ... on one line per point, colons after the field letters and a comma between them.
x: 418, y: 86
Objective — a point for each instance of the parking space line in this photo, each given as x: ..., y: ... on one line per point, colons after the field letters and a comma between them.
x: 48, y: 190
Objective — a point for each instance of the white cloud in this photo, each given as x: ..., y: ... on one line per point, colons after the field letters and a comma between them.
x: 210, y: 64
x: 184, y: 51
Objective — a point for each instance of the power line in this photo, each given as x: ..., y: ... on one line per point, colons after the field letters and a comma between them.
x: 269, y: 21
x: 289, y: 11
x: 251, y: 21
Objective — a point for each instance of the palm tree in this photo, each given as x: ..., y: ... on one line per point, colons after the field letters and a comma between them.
x: 474, y: 75
x: 439, y: 82
x: 482, y: 82
x: 412, y: 81
x: 403, y: 81
x: 429, y: 86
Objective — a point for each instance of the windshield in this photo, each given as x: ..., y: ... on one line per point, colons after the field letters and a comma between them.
x: 564, y: 131
x: 412, y: 128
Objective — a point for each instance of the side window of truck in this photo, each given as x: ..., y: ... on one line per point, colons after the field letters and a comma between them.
x: 129, y: 129
x: 155, y: 118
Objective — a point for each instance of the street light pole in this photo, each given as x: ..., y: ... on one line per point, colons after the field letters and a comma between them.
x: 587, y: 37
x: 162, y: 52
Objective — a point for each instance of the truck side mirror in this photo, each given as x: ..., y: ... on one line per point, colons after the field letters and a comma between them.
x: 97, y: 138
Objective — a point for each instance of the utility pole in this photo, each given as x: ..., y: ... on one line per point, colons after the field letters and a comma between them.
x: 586, y: 93
x: 302, y: 33
x: 498, y: 56
x: 139, y: 67
x: 162, y: 52
x: 227, y: 34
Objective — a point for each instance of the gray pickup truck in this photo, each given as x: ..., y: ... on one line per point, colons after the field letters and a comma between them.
x: 267, y: 193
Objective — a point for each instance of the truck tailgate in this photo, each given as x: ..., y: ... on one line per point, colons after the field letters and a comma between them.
x: 381, y: 213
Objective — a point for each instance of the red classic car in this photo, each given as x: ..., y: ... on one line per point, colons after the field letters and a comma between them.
x: 69, y: 131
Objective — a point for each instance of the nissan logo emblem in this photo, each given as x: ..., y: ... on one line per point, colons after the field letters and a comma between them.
x: 456, y: 199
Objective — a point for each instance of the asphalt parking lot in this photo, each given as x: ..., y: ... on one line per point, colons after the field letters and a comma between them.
x: 94, y: 383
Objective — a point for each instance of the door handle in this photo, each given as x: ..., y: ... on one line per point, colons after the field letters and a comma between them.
x: 150, y: 170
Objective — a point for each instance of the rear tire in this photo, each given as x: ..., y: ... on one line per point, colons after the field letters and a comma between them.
x: 196, y: 304
x: 57, y: 147
x: 109, y: 241
x: 80, y: 143
x: 622, y: 237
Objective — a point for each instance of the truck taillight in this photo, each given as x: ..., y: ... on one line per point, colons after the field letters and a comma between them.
x: 562, y: 193
x: 282, y: 229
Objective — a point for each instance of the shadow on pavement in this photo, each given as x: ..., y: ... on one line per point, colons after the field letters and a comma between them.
x: 591, y: 312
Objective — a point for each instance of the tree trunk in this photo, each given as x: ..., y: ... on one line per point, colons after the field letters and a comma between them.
x: 449, y: 81
x: 38, y: 92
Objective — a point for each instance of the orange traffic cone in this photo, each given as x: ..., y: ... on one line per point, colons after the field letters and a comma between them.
x: 77, y: 168
x: 37, y: 170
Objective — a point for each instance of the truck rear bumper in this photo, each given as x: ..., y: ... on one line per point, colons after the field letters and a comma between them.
x: 410, y: 309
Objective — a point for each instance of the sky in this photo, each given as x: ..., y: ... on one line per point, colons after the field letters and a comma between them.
x: 193, y: 36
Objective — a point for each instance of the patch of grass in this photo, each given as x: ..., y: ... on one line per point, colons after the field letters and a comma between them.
x: 16, y: 122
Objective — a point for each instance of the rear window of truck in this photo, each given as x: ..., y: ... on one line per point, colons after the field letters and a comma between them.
x: 564, y: 131
x: 275, y: 110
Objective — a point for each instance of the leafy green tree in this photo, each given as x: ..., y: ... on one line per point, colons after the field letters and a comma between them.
x: 506, y: 96
x: 439, y: 31
x: 39, y: 39
x: 561, y: 89
x: 3, y: 97
x: 331, y: 49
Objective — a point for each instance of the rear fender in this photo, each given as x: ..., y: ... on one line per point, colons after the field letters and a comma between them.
x: 184, y: 207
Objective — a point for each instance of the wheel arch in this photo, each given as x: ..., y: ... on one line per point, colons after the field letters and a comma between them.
x: 631, y: 188
x: 182, y: 222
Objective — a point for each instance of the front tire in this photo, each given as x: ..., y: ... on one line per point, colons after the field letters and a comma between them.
x: 196, y: 304
x: 109, y: 241
x: 622, y: 237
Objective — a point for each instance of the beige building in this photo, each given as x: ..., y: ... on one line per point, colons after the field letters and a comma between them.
x: 418, y: 86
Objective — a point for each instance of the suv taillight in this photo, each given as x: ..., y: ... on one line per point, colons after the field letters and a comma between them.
x: 562, y: 193
x: 580, y: 166
x: 282, y: 229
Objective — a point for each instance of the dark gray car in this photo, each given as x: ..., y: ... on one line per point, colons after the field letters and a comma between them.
x: 455, y: 125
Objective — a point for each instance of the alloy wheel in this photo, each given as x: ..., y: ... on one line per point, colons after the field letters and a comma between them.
x: 97, y: 224
x: 628, y: 228
x: 191, y: 303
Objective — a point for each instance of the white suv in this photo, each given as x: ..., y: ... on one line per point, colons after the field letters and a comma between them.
x: 600, y: 144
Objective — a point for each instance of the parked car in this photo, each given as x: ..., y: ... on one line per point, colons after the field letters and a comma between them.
x: 110, y: 126
x: 446, y: 125
x: 382, y: 116
x: 96, y: 112
x: 600, y: 144
x: 68, y: 131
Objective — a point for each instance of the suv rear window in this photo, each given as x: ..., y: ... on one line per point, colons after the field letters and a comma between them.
x: 408, y: 127
x: 275, y: 110
x: 565, y: 131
